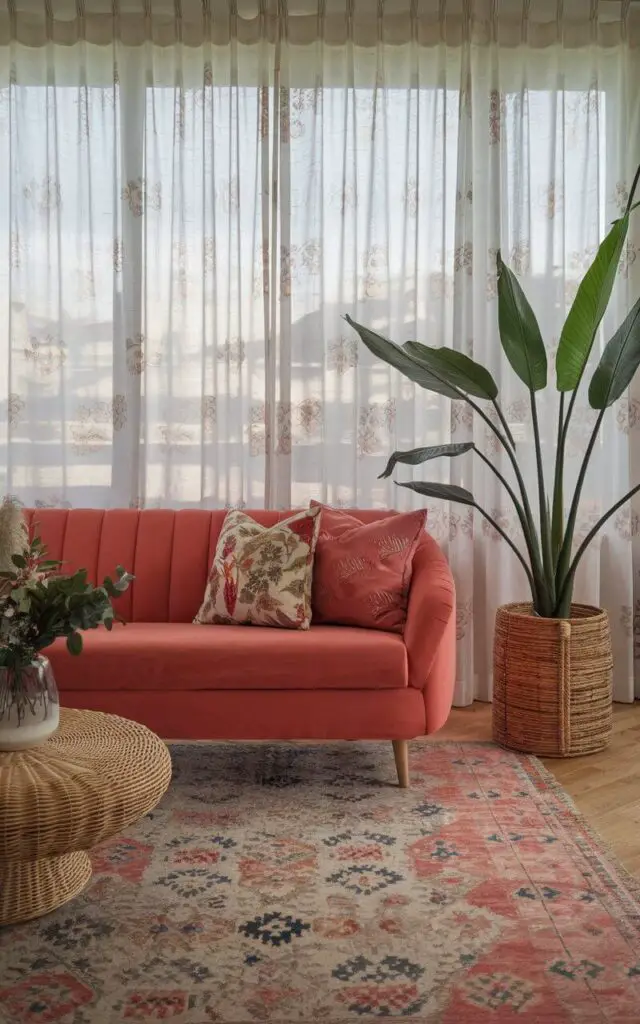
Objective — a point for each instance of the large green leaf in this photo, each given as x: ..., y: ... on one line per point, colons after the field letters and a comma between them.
x: 581, y: 326
x: 519, y: 331
x: 455, y: 367
x: 618, y: 364
x: 419, y: 455
x: 395, y: 356
x: 448, y: 492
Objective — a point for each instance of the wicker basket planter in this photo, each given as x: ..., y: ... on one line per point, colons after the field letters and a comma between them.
x: 552, y: 681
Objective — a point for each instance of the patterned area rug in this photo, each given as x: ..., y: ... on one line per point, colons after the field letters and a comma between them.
x: 283, y: 883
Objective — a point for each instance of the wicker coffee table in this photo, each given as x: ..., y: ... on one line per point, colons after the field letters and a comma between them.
x: 95, y: 776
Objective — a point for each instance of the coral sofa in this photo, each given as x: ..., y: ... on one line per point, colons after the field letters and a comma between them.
x: 189, y: 681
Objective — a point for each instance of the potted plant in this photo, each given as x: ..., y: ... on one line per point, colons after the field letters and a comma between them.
x: 37, y: 604
x: 552, y: 658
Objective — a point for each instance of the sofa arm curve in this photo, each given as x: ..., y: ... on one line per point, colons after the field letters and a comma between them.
x: 430, y: 631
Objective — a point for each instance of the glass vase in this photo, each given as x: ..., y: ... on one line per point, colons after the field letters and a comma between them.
x: 29, y: 705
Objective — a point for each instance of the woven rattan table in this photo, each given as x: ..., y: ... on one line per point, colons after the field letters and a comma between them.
x: 95, y: 776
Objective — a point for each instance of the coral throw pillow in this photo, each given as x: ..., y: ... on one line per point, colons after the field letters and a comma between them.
x: 262, y: 575
x: 363, y: 570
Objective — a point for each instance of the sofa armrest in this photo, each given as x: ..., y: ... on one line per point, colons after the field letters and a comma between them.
x: 430, y: 632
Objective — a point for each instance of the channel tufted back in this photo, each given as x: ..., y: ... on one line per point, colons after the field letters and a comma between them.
x: 168, y: 551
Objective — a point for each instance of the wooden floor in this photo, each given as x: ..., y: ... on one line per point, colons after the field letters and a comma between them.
x: 605, y: 787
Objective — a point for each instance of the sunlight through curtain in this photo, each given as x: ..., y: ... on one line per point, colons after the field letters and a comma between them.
x: 192, y: 196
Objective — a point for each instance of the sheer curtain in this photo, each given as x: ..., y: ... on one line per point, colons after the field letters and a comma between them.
x: 192, y: 196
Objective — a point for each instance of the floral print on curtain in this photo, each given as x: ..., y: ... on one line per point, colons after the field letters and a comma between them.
x: 187, y: 221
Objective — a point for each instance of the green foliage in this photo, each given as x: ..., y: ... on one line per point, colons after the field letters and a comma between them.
x: 618, y: 364
x: 418, y: 455
x: 401, y: 360
x: 38, y: 603
x: 549, y: 562
x: 455, y: 368
x: 519, y: 332
x: 589, y: 306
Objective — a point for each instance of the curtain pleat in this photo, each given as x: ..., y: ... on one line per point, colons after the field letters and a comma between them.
x: 191, y: 199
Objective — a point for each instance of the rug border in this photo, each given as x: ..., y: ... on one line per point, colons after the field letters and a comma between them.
x: 600, y: 854
x: 602, y: 845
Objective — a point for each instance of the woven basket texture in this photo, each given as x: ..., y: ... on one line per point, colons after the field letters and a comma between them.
x: 93, y: 778
x: 552, y: 681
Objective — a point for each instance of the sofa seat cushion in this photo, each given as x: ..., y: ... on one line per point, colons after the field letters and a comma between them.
x: 186, y: 656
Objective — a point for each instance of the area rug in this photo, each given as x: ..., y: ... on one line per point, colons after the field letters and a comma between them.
x: 298, y: 883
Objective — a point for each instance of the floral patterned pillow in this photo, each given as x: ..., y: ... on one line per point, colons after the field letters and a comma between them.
x: 261, y: 575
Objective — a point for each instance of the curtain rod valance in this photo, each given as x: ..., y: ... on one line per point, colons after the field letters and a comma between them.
x: 574, y: 23
x: 535, y: 10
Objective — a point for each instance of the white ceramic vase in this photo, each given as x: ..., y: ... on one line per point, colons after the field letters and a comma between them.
x: 29, y: 706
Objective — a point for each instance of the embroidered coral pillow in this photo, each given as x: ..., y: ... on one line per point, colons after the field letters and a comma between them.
x: 262, y: 575
x: 362, y: 571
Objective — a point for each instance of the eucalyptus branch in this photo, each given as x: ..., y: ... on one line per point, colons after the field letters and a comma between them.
x: 585, y: 543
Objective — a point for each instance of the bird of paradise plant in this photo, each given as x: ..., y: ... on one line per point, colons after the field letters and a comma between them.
x: 549, y: 561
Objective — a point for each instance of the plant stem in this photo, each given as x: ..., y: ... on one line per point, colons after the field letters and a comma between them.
x: 534, y: 543
x: 521, y: 485
x: 557, y: 515
x: 545, y: 535
x: 565, y: 594
x: 513, y: 547
x: 572, y: 402
x: 634, y: 185
x: 531, y: 536
x: 565, y: 553
x: 502, y: 418
x: 537, y: 596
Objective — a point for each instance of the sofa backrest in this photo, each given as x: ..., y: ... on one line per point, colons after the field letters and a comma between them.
x: 169, y: 552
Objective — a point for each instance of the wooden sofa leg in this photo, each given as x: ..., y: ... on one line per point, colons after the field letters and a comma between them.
x: 401, y: 754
